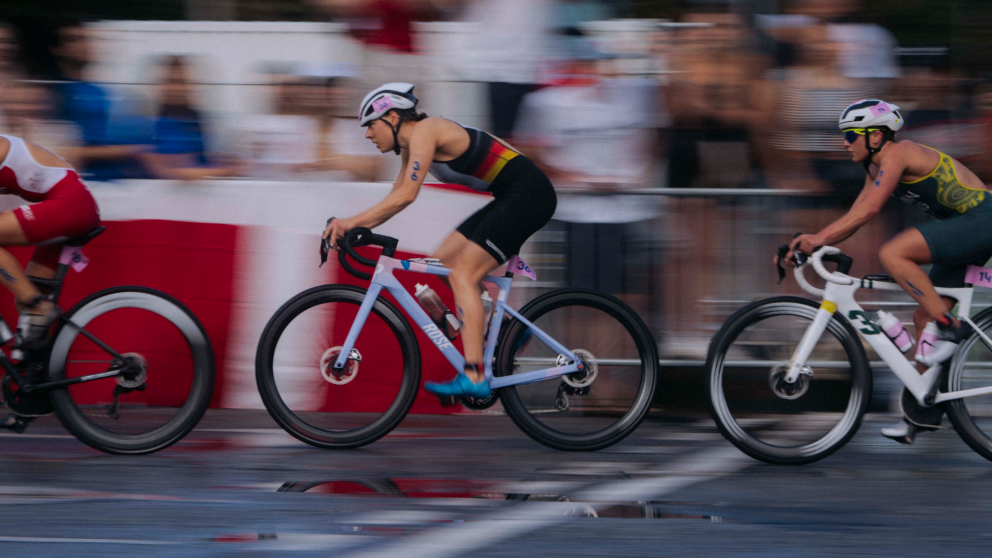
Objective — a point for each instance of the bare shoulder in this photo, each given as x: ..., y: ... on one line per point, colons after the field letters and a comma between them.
x: 45, y: 157
x: 431, y: 129
x: 908, y: 149
x: 440, y: 126
x: 917, y: 160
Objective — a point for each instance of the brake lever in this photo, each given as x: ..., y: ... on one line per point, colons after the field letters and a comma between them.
x: 325, y: 249
x: 325, y: 245
x: 798, y: 257
x: 782, y: 251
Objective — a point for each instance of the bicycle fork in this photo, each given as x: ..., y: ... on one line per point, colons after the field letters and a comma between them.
x: 797, y: 364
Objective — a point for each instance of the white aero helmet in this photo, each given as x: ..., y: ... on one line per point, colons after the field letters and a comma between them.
x: 871, y: 113
x: 391, y: 96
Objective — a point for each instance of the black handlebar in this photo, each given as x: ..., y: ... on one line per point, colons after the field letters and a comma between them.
x: 360, y: 236
x: 843, y: 262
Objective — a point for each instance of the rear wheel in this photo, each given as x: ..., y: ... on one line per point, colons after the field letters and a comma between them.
x: 167, y: 370
x: 970, y: 368
x: 588, y: 410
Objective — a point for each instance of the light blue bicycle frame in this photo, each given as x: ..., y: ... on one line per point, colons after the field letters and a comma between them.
x: 383, y: 279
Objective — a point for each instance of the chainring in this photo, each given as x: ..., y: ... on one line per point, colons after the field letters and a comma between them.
x: 24, y: 404
x: 477, y: 403
x: 927, y: 417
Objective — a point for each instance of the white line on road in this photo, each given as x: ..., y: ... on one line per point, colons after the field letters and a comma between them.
x: 515, y: 520
x: 56, y: 540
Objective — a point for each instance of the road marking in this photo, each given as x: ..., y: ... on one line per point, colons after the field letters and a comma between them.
x: 51, y: 436
x: 56, y: 540
x: 515, y: 520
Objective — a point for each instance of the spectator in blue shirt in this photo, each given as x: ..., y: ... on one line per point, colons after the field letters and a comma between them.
x: 180, y: 152
x: 104, y: 155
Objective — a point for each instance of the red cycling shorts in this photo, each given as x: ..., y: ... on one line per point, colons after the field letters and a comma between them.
x: 67, y: 211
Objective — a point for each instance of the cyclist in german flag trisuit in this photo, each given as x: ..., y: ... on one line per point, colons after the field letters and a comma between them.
x: 524, y: 201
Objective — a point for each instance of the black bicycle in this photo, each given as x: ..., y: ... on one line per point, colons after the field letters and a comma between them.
x: 128, y: 370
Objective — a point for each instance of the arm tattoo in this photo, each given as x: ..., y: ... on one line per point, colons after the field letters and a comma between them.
x: 914, y: 290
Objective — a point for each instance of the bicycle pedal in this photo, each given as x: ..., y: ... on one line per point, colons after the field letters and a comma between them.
x: 16, y: 423
x: 448, y: 400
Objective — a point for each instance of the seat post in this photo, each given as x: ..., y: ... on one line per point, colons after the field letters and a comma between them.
x: 60, y: 274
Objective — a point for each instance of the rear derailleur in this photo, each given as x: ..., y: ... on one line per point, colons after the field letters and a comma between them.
x: 564, y: 390
x: 134, y: 372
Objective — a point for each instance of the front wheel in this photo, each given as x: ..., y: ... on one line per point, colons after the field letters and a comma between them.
x: 167, y: 368
x: 331, y: 408
x: 761, y: 414
x: 595, y: 408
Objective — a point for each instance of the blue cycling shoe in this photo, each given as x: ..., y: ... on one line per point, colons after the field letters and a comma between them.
x: 460, y: 386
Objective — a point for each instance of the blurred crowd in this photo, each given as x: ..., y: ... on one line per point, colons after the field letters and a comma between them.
x: 717, y: 99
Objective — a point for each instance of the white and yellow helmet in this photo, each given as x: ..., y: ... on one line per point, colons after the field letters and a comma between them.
x: 871, y: 113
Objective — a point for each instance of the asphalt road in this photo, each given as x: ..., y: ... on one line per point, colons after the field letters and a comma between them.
x: 476, y: 486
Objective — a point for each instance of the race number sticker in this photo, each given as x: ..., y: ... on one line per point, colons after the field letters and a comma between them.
x: 978, y: 276
x: 517, y: 266
x: 73, y: 256
x: 383, y: 104
x: 880, y: 108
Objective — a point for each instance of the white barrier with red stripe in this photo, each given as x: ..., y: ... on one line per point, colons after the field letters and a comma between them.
x: 234, y: 251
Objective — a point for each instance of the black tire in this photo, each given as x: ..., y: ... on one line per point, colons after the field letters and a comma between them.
x: 387, y: 344
x: 575, y: 318
x: 757, y: 420
x: 179, y: 382
x: 971, y: 367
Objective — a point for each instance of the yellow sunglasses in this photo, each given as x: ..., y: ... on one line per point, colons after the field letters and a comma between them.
x: 852, y: 134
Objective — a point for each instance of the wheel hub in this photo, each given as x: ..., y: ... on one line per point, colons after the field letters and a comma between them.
x: 786, y: 390
x: 339, y: 376
x: 584, y: 377
x: 134, y: 371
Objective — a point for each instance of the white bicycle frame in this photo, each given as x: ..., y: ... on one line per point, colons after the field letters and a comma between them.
x: 838, y: 298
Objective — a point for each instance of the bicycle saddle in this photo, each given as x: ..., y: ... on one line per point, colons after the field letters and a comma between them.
x: 83, y: 239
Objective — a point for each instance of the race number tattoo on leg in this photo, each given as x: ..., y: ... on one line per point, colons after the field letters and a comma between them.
x: 7, y: 276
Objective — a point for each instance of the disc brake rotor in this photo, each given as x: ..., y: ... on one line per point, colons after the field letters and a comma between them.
x: 786, y: 390
x: 586, y: 377
x: 340, y: 376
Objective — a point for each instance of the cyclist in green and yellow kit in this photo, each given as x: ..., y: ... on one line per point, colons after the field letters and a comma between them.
x: 934, y: 182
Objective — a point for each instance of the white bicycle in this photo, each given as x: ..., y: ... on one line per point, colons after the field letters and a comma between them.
x: 788, y: 382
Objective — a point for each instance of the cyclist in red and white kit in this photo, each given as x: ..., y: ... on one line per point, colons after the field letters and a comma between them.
x: 62, y: 208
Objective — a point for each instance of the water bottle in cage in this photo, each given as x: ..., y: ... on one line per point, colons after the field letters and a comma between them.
x: 439, y: 313
x: 894, y: 329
